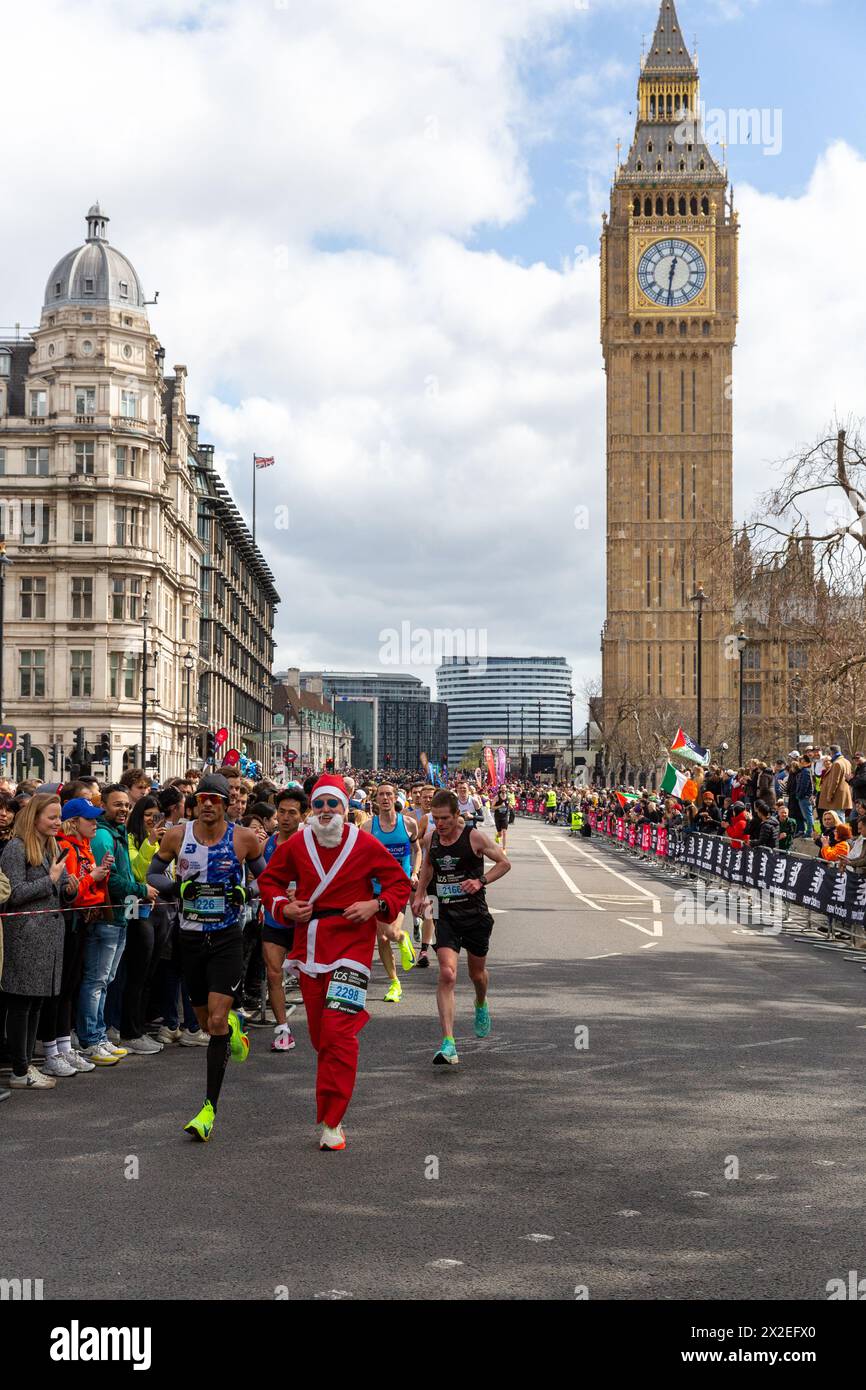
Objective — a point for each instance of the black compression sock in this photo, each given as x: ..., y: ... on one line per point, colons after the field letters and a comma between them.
x: 218, y: 1052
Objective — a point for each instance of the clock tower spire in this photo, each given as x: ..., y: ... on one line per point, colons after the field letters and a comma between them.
x: 669, y: 315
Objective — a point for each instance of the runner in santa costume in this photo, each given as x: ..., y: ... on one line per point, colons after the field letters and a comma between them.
x: 333, y: 911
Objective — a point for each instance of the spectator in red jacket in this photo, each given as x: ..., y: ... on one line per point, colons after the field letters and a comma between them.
x: 736, y: 827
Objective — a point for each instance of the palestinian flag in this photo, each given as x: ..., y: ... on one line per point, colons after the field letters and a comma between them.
x: 625, y: 799
x: 678, y: 784
x: 686, y: 748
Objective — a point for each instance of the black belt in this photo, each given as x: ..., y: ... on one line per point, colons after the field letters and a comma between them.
x: 327, y: 911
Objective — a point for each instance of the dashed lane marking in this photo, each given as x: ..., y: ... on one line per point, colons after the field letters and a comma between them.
x: 656, y: 931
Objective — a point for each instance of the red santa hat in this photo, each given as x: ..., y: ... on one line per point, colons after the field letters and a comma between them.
x: 330, y: 785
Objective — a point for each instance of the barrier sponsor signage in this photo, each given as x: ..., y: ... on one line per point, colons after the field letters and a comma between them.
x: 810, y: 883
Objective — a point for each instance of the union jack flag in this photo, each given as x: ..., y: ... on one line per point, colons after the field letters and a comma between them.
x: 263, y: 462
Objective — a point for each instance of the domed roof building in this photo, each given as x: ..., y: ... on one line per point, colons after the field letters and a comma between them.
x: 95, y: 273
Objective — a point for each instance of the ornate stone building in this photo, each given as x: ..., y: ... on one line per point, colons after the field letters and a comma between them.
x: 101, y: 521
x: 668, y: 326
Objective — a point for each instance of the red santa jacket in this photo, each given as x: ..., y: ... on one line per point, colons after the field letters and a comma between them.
x: 332, y: 879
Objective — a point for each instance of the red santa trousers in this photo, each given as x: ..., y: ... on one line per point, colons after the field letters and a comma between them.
x: 334, y: 1035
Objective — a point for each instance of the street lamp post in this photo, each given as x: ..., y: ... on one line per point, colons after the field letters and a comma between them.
x: 700, y: 598
x: 4, y: 561
x: 538, y: 702
x: 742, y: 643
x: 189, y: 662
x: 507, y: 738
x: 522, y: 773
x: 571, y: 717
x: 145, y: 618
x: 334, y: 726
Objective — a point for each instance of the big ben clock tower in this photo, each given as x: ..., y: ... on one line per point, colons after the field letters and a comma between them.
x: 668, y: 321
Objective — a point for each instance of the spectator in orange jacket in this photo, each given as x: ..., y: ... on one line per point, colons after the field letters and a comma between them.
x: 80, y: 819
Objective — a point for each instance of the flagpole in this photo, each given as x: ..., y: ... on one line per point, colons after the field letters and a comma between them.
x: 254, y: 497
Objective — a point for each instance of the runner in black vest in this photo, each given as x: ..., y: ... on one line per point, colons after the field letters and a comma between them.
x: 454, y: 864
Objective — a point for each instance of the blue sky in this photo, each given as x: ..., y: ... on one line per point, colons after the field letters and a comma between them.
x: 804, y: 57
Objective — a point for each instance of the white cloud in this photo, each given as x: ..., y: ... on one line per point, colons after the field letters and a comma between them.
x: 437, y: 412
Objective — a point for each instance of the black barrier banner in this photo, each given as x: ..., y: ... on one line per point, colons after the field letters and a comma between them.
x: 813, y: 884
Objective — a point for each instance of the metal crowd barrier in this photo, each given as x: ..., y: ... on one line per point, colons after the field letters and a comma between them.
x: 843, y: 918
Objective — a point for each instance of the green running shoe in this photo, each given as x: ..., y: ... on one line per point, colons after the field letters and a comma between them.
x: 482, y: 1020
x: 394, y: 992
x: 240, y: 1041
x: 447, y: 1054
x: 407, y: 952
x: 201, y: 1125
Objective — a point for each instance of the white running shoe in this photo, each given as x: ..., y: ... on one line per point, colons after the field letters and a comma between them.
x: 283, y: 1040
x: 58, y: 1066
x: 32, y: 1080
x: 197, y: 1039
x: 75, y: 1059
x: 332, y: 1139
x: 167, y: 1035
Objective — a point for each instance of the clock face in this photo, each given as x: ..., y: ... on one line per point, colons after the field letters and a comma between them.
x: 672, y: 273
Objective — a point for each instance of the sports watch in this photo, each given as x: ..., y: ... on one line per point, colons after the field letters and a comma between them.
x: 383, y: 908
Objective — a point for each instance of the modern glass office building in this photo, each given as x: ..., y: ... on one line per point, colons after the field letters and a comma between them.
x: 490, y: 699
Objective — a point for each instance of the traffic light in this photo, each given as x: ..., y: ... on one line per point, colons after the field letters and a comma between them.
x: 329, y: 765
x: 211, y: 747
x: 57, y: 756
x: 78, y: 755
x: 103, y: 749
x: 26, y: 749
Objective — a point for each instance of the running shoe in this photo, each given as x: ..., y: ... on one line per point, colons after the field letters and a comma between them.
x: 240, y: 1041
x: 76, y: 1060
x: 201, y: 1125
x: 407, y: 952
x: 99, y: 1055
x: 447, y: 1054
x: 58, y: 1066
x: 332, y: 1140
x: 422, y: 962
x: 394, y: 992
x: 416, y: 931
x: 283, y: 1040
x: 113, y: 1049
x: 482, y: 1020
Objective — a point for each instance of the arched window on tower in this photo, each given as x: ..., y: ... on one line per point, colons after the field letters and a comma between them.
x: 649, y: 147
x: 694, y: 206
x: 660, y: 329
x: 636, y: 207
x: 684, y: 328
x: 659, y: 167
x: 682, y: 166
x: 637, y: 330
x: 670, y: 146
x: 660, y: 206
x: 682, y: 205
x: 705, y: 206
x: 648, y: 208
x: 703, y: 164
x: 705, y: 329
x: 640, y: 167
x: 671, y: 206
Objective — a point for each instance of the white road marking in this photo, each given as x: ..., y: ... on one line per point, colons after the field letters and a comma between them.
x: 628, y: 1212
x: 774, y: 1042
x: 656, y: 931
x: 649, y: 945
x: 497, y: 911
x: 599, y: 863
x: 572, y: 887
x: 610, y: 955
x: 535, y: 1236
x: 697, y: 1194
x: 444, y: 1264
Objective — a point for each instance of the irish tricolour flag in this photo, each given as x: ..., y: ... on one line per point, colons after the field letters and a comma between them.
x: 686, y: 748
x: 674, y: 783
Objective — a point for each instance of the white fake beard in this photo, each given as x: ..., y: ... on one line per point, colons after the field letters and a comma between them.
x: 328, y: 835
